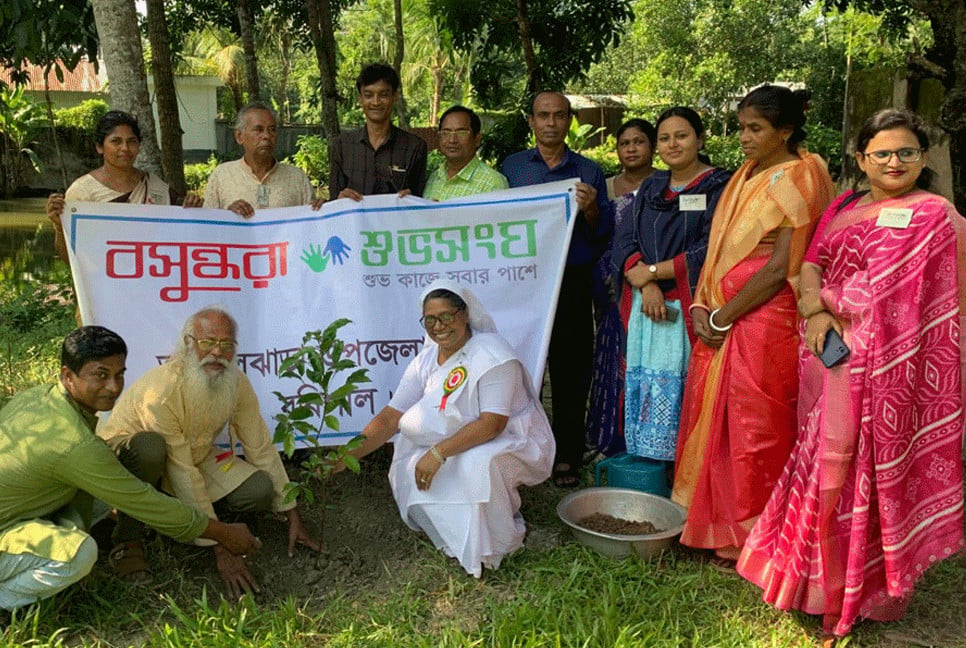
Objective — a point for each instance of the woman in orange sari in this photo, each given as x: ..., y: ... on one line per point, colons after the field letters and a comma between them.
x: 738, y: 415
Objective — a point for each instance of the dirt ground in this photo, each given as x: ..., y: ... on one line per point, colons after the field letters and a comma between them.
x: 364, y: 538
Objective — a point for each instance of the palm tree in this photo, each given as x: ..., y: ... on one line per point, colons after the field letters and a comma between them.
x: 218, y: 51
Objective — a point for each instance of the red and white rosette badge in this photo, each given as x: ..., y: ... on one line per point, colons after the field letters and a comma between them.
x: 455, y: 378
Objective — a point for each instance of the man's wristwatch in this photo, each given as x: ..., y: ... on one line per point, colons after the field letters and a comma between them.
x: 652, y: 269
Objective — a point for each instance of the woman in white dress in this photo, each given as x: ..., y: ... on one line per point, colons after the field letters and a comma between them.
x: 472, y: 431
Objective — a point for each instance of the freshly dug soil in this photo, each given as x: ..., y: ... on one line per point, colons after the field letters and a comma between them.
x: 604, y: 523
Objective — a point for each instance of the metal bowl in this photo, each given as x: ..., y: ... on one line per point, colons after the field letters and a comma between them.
x: 632, y: 505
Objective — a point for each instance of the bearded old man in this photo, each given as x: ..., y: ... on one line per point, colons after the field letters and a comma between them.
x: 165, y: 426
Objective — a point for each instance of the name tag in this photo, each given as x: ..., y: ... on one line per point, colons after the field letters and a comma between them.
x: 894, y: 217
x: 261, y: 197
x: 692, y: 202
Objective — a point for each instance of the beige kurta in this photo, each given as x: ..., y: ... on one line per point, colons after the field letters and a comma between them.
x: 198, y: 473
x: 284, y: 186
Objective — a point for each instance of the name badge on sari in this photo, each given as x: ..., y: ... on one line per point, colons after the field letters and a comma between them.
x: 894, y: 217
x: 692, y: 202
x: 454, y: 380
x: 155, y: 198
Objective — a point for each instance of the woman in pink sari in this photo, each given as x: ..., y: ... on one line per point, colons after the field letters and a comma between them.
x: 738, y: 414
x: 872, y: 494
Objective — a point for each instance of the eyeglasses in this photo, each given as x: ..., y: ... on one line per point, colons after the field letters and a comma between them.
x: 905, y: 155
x: 456, y: 133
x: 429, y: 321
x: 207, y: 344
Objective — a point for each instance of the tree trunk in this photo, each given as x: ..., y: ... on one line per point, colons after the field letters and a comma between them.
x: 322, y: 27
x: 401, y: 112
x: 534, y: 73
x: 948, y: 20
x: 52, y: 128
x: 172, y: 153
x: 246, y: 25
x: 117, y: 30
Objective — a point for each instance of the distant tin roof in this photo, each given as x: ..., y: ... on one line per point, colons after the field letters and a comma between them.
x: 580, y: 101
x: 82, y: 78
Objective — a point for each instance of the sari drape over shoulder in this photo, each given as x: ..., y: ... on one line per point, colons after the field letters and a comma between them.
x: 151, y: 190
x: 738, y: 415
x: 872, y: 494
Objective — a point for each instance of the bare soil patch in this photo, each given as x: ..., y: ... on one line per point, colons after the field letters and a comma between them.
x: 606, y: 523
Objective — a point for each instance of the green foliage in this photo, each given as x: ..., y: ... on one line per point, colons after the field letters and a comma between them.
x: 320, y: 366
x: 35, y: 315
x: 21, y: 122
x: 827, y: 142
x: 46, y: 32
x: 312, y: 156
x: 434, y: 160
x: 507, y: 135
x: 724, y: 151
x: 566, y: 37
x: 606, y: 156
x: 196, y: 175
x: 82, y: 117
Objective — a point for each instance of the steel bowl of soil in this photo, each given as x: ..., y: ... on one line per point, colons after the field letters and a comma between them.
x: 619, y: 521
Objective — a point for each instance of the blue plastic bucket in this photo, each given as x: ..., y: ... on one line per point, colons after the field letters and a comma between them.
x: 639, y: 473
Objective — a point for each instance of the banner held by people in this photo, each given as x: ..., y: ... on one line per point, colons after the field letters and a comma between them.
x: 141, y: 270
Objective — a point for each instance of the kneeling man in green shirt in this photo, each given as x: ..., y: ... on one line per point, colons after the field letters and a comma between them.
x: 52, y: 465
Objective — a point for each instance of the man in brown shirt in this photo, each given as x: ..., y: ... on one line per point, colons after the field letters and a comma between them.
x: 379, y: 157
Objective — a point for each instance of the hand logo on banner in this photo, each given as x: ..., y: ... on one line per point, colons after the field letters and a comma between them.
x: 314, y: 258
x: 338, y: 249
x: 317, y: 259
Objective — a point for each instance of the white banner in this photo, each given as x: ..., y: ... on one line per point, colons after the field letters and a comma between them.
x: 143, y: 270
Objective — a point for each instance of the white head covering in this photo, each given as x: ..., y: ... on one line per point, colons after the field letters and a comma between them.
x: 480, y: 320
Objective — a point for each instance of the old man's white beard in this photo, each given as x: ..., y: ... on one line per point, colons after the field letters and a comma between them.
x: 210, y: 397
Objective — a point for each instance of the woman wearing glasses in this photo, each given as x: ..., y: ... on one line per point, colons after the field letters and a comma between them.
x: 872, y: 494
x: 471, y: 432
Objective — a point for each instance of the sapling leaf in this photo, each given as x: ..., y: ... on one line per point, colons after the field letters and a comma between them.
x: 351, y: 463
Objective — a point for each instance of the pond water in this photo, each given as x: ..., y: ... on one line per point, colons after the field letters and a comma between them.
x: 26, y: 238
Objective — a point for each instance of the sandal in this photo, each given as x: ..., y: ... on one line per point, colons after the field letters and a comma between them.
x: 127, y: 560
x: 565, y: 476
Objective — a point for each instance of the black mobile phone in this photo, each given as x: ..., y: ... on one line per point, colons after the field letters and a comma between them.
x: 672, y: 313
x: 834, y: 350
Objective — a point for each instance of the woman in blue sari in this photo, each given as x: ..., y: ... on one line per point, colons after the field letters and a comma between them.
x: 635, y: 150
x: 657, y: 256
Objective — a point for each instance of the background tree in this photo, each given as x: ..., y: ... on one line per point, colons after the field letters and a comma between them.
x: 246, y: 29
x: 169, y: 119
x: 117, y: 27
x: 554, y: 41
x: 53, y: 35
x: 945, y: 60
x: 322, y: 16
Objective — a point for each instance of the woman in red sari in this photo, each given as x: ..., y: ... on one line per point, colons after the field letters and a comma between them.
x: 872, y: 494
x: 738, y: 414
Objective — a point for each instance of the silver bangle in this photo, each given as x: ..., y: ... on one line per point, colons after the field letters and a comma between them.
x: 719, y: 329
x: 437, y: 455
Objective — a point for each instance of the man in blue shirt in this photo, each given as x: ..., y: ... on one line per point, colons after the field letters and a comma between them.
x: 571, y: 352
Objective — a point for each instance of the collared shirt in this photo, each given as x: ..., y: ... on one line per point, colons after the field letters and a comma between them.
x: 400, y: 163
x: 283, y: 186
x: 50, y: 455
x: 474, y: 178
x: 156, y: 402
x: 529, y: 168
